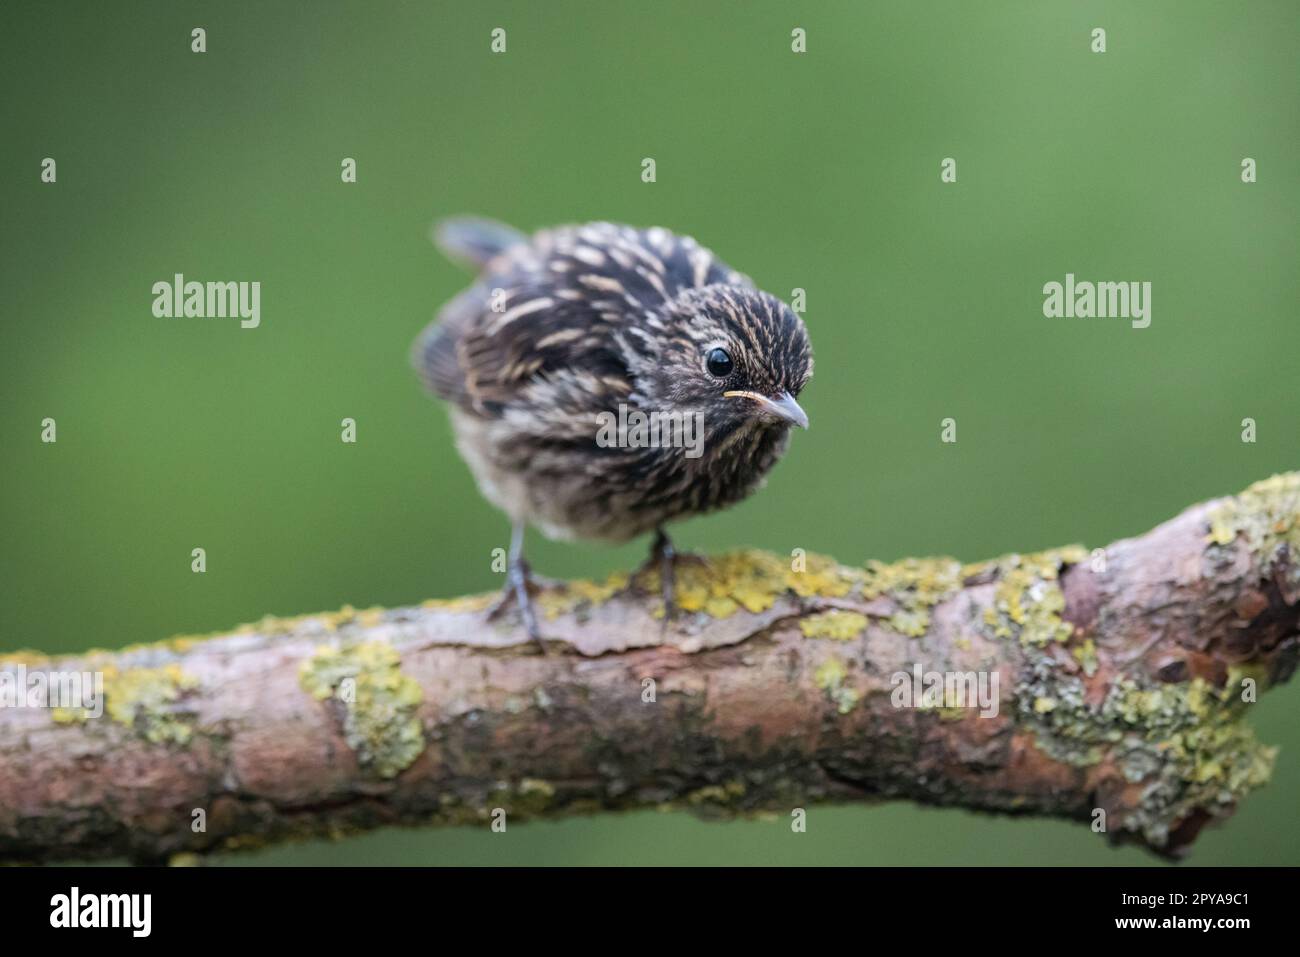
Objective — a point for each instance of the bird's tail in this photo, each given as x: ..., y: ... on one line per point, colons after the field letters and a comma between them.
x: 473, y: 240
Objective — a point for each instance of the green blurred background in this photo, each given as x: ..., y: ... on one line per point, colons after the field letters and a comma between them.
x: 818, y: 170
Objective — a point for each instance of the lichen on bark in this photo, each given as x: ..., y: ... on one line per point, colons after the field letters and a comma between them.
x: 379, y: 703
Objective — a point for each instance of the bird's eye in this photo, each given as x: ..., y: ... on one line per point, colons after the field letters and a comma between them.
x: 718, y: 363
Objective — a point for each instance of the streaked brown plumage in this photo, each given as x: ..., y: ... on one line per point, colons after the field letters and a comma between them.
x: 577, y: 321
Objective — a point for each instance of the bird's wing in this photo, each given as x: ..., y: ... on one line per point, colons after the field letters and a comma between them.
x: 561, y: 306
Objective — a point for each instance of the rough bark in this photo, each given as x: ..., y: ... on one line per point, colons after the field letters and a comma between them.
x: 1121, y: 677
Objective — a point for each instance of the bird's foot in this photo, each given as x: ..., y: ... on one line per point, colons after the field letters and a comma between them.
x: 664, y: 558
x: 518, y: 593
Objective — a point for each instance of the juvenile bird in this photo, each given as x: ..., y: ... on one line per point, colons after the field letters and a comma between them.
x: 575, y: 338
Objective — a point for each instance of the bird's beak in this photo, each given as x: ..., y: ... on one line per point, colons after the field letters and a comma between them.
x: 782, y: 406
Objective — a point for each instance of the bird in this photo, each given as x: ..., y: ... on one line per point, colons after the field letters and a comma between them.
x: 568, y: 343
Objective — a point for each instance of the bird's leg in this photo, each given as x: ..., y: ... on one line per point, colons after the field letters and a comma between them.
x: 518, y: 588
x: 661, y: 550
x: 665, y: 558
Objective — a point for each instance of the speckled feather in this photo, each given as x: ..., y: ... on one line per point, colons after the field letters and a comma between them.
x: 589, y: 317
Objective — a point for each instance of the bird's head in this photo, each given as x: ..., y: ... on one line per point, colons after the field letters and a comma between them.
x: 737, y: 355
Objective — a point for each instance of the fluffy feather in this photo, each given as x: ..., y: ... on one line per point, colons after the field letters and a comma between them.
x: 577, y: 320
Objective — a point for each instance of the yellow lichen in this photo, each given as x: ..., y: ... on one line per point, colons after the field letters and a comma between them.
x: 1028, y: 601
x: 70, y: 715
x: 1257, y: 673
x: 835, y: 624
x: 371, y: 617
x: 717, y: 793
x: 1267, y: 516
x: 26, y: 657
x: 466, y: 603
x: 177, y: 643
x: 720, y: 607
x: 149, y: 700
x: 380, y: 703
x: 753, y: 580
x: 829, y: 677
x: 573, y: 595
x: 829, y: 673
x: 1086, y: 655
x: 1187, y: 744
x: 817, y: 576
x: 914, y: 585
x: 716, y: 586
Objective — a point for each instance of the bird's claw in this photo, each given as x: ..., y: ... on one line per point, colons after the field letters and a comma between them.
x: 664, y: 558
x: 518, y: 593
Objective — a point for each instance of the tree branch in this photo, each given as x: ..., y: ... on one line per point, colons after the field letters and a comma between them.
x: 1120, y: 678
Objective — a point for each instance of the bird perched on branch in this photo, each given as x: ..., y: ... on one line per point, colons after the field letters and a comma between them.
x: 605, y: 381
